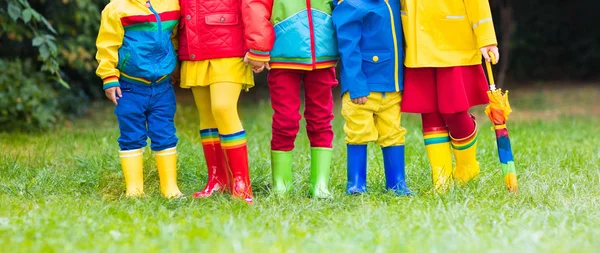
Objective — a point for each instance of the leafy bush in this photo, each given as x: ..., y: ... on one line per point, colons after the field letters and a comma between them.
x: 33, y: 99
x: 26, y: 101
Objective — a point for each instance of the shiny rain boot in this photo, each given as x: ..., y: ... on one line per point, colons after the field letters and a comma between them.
x: 132, y: 163
x: 467, y: 167
x: 320, y: 168
x: 166, y: 161
x: 357, y: 169
x: 281, y: 167
x: 218, y: 173
x: 437, y: 144
x: 236, y: 155
x: 393, y: 160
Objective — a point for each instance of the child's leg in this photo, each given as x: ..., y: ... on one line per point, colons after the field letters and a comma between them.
x: 161, y: 129
x: 218, y: 176
x: 463, y: 133
x: 437, y: 144
x: 459, y: 124
x: 318, y: 112
x: 318, y: 103
x: 284, y: 87
x: 360, y: 130
x: 391, y: 140
x: 224, y: 99
x: 130, y: 112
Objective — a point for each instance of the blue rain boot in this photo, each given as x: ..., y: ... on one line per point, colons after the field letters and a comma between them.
x: 393, y: 160
x: 357, y: 169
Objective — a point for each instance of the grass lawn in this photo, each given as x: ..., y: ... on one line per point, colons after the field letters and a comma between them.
x: 63, y: 191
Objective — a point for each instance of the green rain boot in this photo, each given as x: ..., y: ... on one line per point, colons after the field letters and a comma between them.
x: 320, y: 163
x: 281, y: 167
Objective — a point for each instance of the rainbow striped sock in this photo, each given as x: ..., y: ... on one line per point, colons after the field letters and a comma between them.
x: 234, y: 140
x: 435, y: 135
x: 209, y: 136
x: 465, y: 143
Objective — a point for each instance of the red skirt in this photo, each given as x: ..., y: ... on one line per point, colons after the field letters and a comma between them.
x: 445, y: 90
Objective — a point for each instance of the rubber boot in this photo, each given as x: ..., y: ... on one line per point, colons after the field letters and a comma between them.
x: 467, y: 167
x: 166, y: 161
x: 320, y: 168
x: 132, y: 164
x: 281, y: 166
x: 437, y: 144
x: 393, y: 161
x: 236, y: 155
x: 218, y: 173
x: 357, y: 169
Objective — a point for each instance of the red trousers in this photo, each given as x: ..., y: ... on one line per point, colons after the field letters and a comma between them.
x: 284, y: 86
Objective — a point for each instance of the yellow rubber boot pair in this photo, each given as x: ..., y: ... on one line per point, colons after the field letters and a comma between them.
x: 166, y: 161
x: 437, y: 144
x: 467, y: 167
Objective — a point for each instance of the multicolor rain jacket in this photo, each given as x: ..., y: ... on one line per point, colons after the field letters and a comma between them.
x: 136, y: 41
x: 303, y: 31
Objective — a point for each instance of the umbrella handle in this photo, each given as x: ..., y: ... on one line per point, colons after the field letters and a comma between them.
x: 489, y: 70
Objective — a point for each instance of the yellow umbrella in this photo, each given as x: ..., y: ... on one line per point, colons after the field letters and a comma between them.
x: 498, y: 110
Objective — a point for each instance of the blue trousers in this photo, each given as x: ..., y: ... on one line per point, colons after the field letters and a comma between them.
x: 146, y: 111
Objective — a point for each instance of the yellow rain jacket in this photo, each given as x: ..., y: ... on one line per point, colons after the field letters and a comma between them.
x: 446, y: 33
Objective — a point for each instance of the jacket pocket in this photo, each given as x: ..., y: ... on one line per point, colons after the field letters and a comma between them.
x: 454, y: 32
x: 376, y: 66
x: 222, y: 19
x: 124, y: 56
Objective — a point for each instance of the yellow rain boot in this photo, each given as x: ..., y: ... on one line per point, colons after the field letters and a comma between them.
x: 166, y: 161
x: 132, y: 163
x: 437, y: 144
x: 467, y: 167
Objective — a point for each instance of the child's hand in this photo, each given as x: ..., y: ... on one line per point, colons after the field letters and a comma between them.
x: 113, y: 94
x: 493, y: 49
x: 176, y: 76
x: 257, y: 66
x: 360, y: 100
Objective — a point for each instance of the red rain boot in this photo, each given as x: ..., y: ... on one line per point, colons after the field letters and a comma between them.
x: 218, y: 176
x: 237, y: 158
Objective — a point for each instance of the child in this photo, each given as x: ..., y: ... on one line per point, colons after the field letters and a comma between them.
x: 370, y: 44
x: 213, y: 39
x: 135, y: 60
x: 304, y: 51
x: 444, y: 78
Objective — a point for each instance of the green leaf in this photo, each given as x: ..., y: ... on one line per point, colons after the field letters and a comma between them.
x: 62, y: 82
x: 27, y: 13
x: 37, y: 41
x: 48, y: 25
x: 24, y: 3
x: 14, y: 11
x: 44, y: 52
x: 36, y: 15
x: 52, y: 47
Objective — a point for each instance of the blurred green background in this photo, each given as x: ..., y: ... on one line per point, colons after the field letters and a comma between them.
x: 47, y: 50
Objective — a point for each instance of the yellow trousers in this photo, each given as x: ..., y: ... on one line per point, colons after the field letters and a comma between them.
x: 377, y: 120
x: 217, y: 106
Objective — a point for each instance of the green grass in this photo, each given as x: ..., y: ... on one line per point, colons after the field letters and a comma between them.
x: 63, y: 191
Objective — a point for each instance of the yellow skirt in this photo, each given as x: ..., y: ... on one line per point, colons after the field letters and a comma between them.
x: 207, y: 72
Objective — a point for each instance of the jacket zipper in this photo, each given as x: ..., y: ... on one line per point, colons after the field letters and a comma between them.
x: 395, y: 45
x: 312, y: 35
x: 157, y: 35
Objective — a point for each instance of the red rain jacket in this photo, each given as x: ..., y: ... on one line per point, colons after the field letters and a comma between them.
x: 212, y: 29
